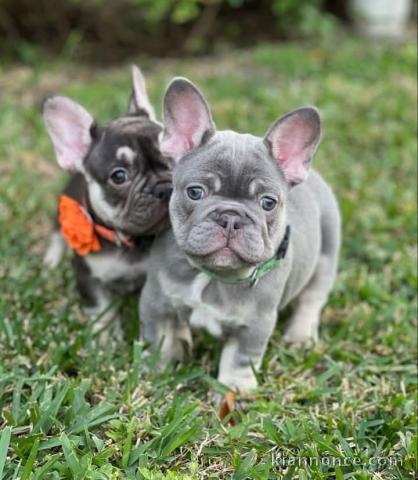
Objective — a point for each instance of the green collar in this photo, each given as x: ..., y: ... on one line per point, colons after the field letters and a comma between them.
x: 260, y: 271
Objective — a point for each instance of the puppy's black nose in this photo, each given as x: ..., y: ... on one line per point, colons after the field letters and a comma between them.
x: 162, y: 191
x: 229, y: 220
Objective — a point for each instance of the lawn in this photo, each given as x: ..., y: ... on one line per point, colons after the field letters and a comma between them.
x: 343, y: 409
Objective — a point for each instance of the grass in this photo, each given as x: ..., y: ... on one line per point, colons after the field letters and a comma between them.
x: 70, y: 409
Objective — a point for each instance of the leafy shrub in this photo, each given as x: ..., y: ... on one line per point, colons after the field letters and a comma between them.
x: 111, y: 29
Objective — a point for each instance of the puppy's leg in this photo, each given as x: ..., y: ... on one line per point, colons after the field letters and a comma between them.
x: 183, y: 332
x: 159, y: 325
x: 97, y: 302
x: 55, y: 250
x: 304, y: 323
x: 243, y: 352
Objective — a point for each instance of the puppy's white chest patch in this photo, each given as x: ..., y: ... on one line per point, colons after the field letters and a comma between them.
x: 111, y: 267
x: 204, y: 314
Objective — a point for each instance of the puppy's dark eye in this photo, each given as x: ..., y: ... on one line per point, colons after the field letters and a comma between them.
x: 268, y: 203
x: 119, y: 176
x: 195, y: 193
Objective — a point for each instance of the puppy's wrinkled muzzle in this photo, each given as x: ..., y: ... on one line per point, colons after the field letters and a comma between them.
x: 231, y: 241
x: 146, y: 206
x: 230, y: 220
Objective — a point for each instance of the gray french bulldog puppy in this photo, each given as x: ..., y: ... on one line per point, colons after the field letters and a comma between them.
x: 251, y: 231
x: 119, y: 189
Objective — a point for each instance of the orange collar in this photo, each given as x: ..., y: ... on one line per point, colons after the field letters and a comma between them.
x: 80, y: 231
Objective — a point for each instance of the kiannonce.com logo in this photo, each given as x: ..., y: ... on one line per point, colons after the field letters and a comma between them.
x: 283, y: 460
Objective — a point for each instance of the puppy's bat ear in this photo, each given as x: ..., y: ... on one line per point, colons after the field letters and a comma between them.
x: 69, y: 127
x: 187, y: 119
x: 292, y: 141
x: 139, y: 103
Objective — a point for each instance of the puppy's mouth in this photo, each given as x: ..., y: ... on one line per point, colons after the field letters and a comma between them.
x: 225, y: 259
x: 222, y: 258
x: 210, y: 243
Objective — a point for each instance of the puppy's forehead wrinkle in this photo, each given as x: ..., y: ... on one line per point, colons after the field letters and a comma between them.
x: 242, y: 158
x: 238, y: 160
x: 241, y: 147
x: 128, y: 124
x: 228, y: 137
x: 127, y: 130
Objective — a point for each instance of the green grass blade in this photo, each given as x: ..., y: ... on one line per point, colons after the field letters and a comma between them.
x: 70, y: 456
x: 45, y: 419
x: 128, y: 443
x: 27, y: 470
x: 4, y: 446
x: 181, y: 439
x: 40, y: 472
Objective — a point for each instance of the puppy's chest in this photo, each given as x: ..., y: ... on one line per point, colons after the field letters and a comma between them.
x: 207, y: 311
x: 119, y: 271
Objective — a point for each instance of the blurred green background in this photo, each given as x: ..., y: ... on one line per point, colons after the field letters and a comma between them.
x: 112, y: 30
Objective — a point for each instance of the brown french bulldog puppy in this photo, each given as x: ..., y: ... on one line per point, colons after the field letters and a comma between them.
x: 116, y: 200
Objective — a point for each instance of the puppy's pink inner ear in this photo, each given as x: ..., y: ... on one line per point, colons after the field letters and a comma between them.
x: 174, y: 147
x: 292, y: 152
x: 68, y: 125
x: 190, y: 122
x: 293, y: 142
x: 187, y: 119
x: 72, y: 142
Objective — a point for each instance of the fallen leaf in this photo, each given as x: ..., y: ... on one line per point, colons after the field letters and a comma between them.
x: 227, y: 406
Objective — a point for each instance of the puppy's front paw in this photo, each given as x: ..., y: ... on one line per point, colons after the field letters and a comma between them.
x: 298, y: 336
x: 184, y: 335
x: 55, y: 251
x: 242, y: 381
x: 170, y: 353
x: 50, y: 260
x: 112, y: 333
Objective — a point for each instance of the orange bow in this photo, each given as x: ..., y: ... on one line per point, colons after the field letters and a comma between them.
x: 79, y: 230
